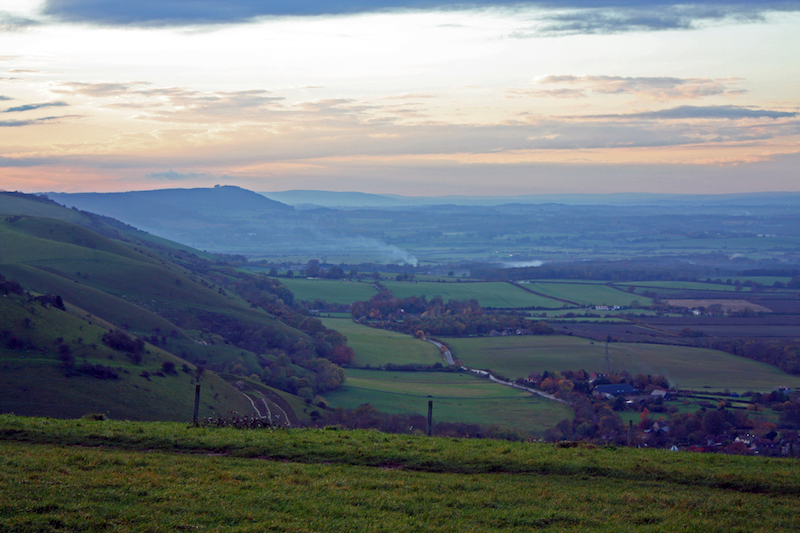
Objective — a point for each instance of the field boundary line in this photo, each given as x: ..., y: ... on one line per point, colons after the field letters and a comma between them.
x: 544, y: 295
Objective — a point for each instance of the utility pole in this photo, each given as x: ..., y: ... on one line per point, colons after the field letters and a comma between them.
x: 429, y: 429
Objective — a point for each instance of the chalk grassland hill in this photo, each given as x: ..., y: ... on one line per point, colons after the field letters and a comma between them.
x: 224, y: 219
x: 47, y: 255
x: 157, y: 476
x: 178, y: 214
x: 685, y: 367
x: 126, y: 280
x: 54, y: 363
x: 40, y: 206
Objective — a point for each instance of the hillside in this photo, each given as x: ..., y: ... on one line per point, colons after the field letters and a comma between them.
x: 179, y: 302
x: 203, y: 218
x: 157, y: 476
x: 56, y: 363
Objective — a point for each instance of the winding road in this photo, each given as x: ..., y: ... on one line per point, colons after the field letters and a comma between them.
x: 443, y: 349
x: 449, y: 358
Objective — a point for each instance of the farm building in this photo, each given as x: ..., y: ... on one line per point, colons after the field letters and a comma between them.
x: 612, y: 391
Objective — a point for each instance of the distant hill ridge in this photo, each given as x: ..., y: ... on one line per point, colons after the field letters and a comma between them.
x: 359, y: 199
x: 169, y: 213
x: 172, y: 203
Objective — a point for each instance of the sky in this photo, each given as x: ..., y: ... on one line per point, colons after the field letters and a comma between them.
x: 417, y: 98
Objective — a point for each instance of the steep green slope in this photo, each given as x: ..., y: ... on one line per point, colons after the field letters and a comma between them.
x: 125, y: 272
x: 57, y: 364
x: 164, y: 294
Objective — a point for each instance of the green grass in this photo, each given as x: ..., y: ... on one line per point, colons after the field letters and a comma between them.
x: 488, y: 294
x: 33, y: 383
x: 685, y: 367
x: 377, y: 347
x: 332, y: 291
x: 457, y: 397
x: 588, y: 293
x: 54, y: 477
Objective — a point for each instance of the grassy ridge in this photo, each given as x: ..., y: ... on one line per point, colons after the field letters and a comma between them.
x: 53, y: 488
x: 371, y: 448
x: 685, y: 367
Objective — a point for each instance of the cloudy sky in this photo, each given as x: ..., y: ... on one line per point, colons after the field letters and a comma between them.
x: 401, y: 96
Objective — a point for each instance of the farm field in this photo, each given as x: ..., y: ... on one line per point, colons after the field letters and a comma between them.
x: 488, y: 294
x: 377, y: 347
x: 742, y: 244
x: 685, y: 367
x: 588, y: 293
x: 330, y: 290
x: 604, y: 320
x: 680, y: 285
x: 95, y: 476
x: 610, y: 314
x: 457, y: 397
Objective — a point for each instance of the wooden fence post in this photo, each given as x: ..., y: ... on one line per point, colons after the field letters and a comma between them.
x: 429, y: 430
x: 196, y: 403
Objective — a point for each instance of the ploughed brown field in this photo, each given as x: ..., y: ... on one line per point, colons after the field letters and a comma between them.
x: 726, y: 304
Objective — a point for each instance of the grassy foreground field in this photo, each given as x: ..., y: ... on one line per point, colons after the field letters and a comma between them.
x: 685, y: 367
x: 124, y: 476
x: 456, y: 396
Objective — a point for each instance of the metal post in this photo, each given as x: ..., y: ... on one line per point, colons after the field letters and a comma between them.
x: 196, y: 403
x: 630, y: 431
x: 429, y: 430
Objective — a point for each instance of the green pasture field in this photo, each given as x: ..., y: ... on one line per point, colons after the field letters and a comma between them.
x: 456, y: 396
x: 588, y: 293
x: 685, y: 367
x: 377, y: 347
x: 336, y: 315
x: 330, y: 290
x: 442, y: 278
x: 103, y: 476
x: 488, y: 294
